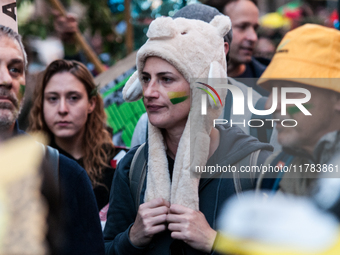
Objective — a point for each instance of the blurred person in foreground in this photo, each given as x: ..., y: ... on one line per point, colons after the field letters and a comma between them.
x: 81, y: 231
x: 285, y: 225
x: 307, y: 58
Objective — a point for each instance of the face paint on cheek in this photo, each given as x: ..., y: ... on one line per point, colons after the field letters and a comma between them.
x: 294, y: 109
x: 21, y: 92
x: 177, y: 97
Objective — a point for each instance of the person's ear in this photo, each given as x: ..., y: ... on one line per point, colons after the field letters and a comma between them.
x: 92, y: 104
x: 226, y: 48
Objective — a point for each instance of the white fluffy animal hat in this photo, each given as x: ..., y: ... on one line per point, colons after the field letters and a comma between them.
x: 196, y: 49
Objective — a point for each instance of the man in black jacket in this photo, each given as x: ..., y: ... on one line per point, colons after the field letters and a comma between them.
x: 82, y: 231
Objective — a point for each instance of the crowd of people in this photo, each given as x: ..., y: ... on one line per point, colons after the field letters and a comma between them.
x: 158, y: 203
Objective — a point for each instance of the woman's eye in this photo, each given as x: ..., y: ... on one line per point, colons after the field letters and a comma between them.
x: 167, y: 79
x: 145, y: 79
x: 74, y: 98
x: 52, y: 99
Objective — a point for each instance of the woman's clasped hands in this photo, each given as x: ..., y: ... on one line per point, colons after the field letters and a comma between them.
x: 184, y: 223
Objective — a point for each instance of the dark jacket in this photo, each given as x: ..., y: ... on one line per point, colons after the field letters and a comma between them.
x: 254, y: 69
x: 82, y: 229
x: 102, y: 191
x: 234, y: 145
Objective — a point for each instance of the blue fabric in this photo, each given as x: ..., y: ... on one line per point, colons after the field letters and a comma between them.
x: 213, y: 192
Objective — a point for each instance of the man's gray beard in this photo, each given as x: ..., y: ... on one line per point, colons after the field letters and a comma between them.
x: 8, y: 115
x: 9, y: 112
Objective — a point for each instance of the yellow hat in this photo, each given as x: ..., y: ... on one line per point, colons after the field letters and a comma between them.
x: 310, y: 55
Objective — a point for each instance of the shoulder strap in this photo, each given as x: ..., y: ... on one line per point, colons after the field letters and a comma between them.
x: 227, y: 106
x: 282, y: 159
x: 137, y: 174
x: 246, y: 182
x: 52, y: 159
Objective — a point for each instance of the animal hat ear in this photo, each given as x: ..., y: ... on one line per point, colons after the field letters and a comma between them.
x: 215, y: 71
x: 133, y: 90
x: 163, y: 27
x: 222, y: 24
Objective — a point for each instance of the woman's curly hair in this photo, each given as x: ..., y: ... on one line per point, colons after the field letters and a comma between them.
x: 98, y: 148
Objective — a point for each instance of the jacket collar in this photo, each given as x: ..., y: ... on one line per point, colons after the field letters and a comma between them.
x: 17, y: 130
x: 327, y: 146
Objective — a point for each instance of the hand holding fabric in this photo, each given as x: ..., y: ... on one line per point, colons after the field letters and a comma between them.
x: 191, y: 227
x: 150, y: 220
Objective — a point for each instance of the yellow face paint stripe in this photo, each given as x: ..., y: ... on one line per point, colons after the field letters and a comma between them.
x: 173, y: 94
x: 177, y: 97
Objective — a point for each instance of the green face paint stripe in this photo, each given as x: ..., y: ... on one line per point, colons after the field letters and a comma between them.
x: 173, y: 94
x: 209, y: 94
x: 178, y: 100
x: 294, y: 109
x: 177, y: 97
x: 21, y: 91
x: 308, y: 106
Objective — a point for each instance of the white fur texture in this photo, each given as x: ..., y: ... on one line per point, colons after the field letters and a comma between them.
x: 222, y: 24
x: 156, y: 31
x: 133, y: 90
x: 194, y: 48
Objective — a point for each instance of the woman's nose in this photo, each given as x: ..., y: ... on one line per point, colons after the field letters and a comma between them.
x: 63, y: 108
x: 151, y: 90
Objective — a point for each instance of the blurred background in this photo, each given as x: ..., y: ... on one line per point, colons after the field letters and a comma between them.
x: 114, y: 29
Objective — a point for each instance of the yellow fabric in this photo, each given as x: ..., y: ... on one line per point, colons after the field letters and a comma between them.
x: 310, y: 55
x: 21, y: 155
x: 22, y: 209
x: 228, y: 245
x: 274, y: 20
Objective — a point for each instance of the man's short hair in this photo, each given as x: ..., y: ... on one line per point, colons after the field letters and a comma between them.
x: 202, y: 12
x: 220, y: 4
x: 10, y: 33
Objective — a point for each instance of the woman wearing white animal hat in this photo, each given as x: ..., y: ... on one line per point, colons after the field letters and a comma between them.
x: 172, y: 210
